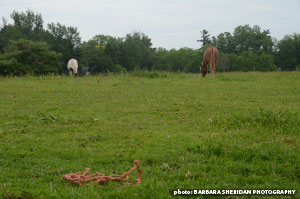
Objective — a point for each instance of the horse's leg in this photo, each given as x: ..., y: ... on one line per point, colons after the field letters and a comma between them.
x: 213, y: 69
x: 71, y: 72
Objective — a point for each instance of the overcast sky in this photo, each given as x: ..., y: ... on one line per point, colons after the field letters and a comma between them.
x: 169, y: 23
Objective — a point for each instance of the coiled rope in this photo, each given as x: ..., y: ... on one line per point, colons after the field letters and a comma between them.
x: 82, y: 178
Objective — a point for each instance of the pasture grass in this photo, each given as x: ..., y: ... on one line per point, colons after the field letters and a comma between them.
x: 237, y: 131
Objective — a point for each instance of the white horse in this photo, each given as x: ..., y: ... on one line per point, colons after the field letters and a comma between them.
x: 73, y: 67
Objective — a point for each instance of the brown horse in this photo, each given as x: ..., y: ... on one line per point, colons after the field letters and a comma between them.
x: 210, y: 57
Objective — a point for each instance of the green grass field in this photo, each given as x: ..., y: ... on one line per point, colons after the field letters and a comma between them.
x: 237, y: 131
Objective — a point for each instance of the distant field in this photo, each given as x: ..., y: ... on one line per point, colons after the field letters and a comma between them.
x: 237, y: 131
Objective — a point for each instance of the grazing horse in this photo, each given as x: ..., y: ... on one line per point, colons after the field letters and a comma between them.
x: 73, y: 67
x: 210, y: 57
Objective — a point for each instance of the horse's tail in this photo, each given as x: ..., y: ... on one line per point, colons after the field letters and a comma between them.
x: 212, y: 62
x: 212, y: 57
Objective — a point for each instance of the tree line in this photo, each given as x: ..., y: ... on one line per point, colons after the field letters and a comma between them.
x: 27, y: 46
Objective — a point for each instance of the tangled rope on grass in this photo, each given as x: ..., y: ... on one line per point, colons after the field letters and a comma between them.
x: 84, y: 177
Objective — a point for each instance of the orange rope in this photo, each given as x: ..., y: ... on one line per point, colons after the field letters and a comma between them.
x: 84, y: 177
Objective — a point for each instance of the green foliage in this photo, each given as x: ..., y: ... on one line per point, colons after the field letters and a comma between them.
x: 137, y: 52
x: 247, y: 49
x: 117, y: 68
x: 223, y: 63
x: 26, y: 25
x: 10, y: 66
x: 245, y: 38
x: 184, y: 59
x: 105, y: 52
x: 9, y: 33
x: 162, y: 60
x: 28, y: 57
x: 94, y: 56
x: 266, y: 63
x: 248, y: 61
x: 65, y: 40
x: 29, y: 24
x: 288, y: 54
x: 112, y: 47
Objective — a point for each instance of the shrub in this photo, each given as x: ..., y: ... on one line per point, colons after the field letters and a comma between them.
x: 117, y: 68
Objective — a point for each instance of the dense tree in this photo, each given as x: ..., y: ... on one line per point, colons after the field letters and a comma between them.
x: 28, y: 57
x: 113, y: 46
x: 193, y: 60
x: 245, y: 49
x: 247, y: 38
x: 184, y: 59
x: 249, y: 61
x: 224, y: 42
x: 94, y: 56
x: 29, y: 24
x: 26, y: 25
x: 266, y: 63
x: 162, y: 60
x: 288, y: 54
x: 102, y: 54
x: 65, y: 40
x: 137, y: 52
x: 9, y: 33
x: 223, y: 63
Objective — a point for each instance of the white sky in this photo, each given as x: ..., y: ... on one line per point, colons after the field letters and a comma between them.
x: 169, y: 23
